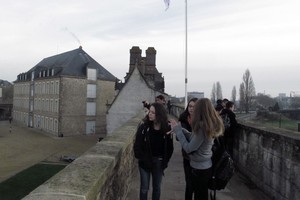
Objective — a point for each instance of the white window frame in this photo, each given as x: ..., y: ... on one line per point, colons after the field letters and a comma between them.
x: 92, y: 74
x: 91, y: 91
x: 91, y: 108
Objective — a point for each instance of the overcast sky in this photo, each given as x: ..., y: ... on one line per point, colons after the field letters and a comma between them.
x: 225, y: 37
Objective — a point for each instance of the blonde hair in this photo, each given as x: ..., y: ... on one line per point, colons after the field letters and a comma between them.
x: 206, y: 118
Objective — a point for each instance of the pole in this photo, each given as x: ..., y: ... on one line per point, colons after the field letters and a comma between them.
x: 186, y: 80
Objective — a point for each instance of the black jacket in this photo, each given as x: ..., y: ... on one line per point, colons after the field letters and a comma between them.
x: 142, y: 148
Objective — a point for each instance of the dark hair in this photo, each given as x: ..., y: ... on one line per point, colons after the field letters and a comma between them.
x: 185, y: 114
x: 161, y: 116
x: 229, y: 104
x: 219, y: 101
x: 225, y: 100
x: 161, y: 97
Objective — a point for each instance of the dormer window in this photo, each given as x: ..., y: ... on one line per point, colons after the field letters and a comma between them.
x: 91, y: 74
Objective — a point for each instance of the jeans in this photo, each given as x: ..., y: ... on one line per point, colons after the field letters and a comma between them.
x: 145, y: 175
x: 188, y: 179
x: 200, y: 178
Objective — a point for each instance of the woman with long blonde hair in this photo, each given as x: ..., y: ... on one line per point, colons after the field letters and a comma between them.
x: 206, y: 125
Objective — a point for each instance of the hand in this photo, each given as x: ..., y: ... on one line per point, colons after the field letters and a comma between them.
x: 173, y: 123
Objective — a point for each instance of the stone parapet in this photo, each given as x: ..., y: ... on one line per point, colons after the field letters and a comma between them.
x: 270, y: 158
x: 103, y: 172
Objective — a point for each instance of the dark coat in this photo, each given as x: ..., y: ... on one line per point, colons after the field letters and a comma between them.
x: 142, y: 148
x: 231, y: 119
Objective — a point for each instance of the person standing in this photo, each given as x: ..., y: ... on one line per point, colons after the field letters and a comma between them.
x: 185, y: 119
x: 169, y: 106
x: 230, y: 124
x: 206, y: 125
x: 153, y: 148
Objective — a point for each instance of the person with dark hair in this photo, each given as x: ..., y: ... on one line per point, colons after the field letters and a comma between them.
x: 219, y: 107
x: 224, y: 102
x: 185, y: 119
x: 206, y: 125
x: 230, y: 124
x: 160, y: 99
x: 153, y: 148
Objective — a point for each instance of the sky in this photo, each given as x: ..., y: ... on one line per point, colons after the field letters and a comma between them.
x: 225, y: 38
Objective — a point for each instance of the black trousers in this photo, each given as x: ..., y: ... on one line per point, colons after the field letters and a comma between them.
x: 188, y: 179
x: 200, y: 179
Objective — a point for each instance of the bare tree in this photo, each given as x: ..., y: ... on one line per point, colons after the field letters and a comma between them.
x: 242, y: 97
x: 219, y: 91
x: 264, y: 101
x: 249, y: 89
x: 213, y: 96
x: 233, y: 94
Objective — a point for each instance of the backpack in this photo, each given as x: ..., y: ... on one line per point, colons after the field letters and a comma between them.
x: 223, y: 168
x: 226, y: 120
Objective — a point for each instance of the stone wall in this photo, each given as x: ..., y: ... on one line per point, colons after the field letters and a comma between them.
x: 128, y: 102
x: 102, y: 173
x: 270, y: 159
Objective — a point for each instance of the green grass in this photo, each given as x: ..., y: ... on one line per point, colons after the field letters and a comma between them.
x: 26, y: 181
x: 283, y: 123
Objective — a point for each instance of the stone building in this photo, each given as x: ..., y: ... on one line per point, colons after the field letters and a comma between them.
x: 6, y: 99
x: 142, y: 82
x: 65, y: 94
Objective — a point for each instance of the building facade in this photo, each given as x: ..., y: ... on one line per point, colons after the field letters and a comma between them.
x: 66, y: 94
x: 142, y: 82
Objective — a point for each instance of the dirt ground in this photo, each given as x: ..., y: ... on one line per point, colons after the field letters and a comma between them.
x: 22, y: 147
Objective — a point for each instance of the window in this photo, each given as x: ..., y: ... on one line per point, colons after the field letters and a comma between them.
x: 91, y: 74
x: 90, y: 108
x: 91, y: 91
x: 90, y: 127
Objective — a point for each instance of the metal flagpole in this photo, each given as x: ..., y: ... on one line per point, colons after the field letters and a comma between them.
x: 186, y: 80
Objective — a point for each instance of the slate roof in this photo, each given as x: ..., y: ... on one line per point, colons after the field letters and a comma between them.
x: 71, y: 63
x: 4, y: 83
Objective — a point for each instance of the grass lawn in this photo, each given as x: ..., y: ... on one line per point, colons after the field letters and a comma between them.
x: 282, y: 122
x: 26, y: 181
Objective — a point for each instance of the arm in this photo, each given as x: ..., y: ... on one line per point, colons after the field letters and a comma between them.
x: 137, y: 147
x: 187, y: 134
x: 189, y: 146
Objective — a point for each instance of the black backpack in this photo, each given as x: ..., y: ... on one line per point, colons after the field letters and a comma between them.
x: 223, y: 168
x: 226, y: 120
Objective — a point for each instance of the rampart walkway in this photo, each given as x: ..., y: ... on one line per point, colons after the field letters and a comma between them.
x: 173, y: 186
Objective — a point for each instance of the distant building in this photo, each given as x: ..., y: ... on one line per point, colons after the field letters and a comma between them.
x: 198, y: 95
x: 142, y: 82
x: 295, y: 94
x: 66, y: 94
x: 282, y: 95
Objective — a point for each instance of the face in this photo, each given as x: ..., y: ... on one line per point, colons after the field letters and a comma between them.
x: 151, y: 114
x: 191, y: 107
